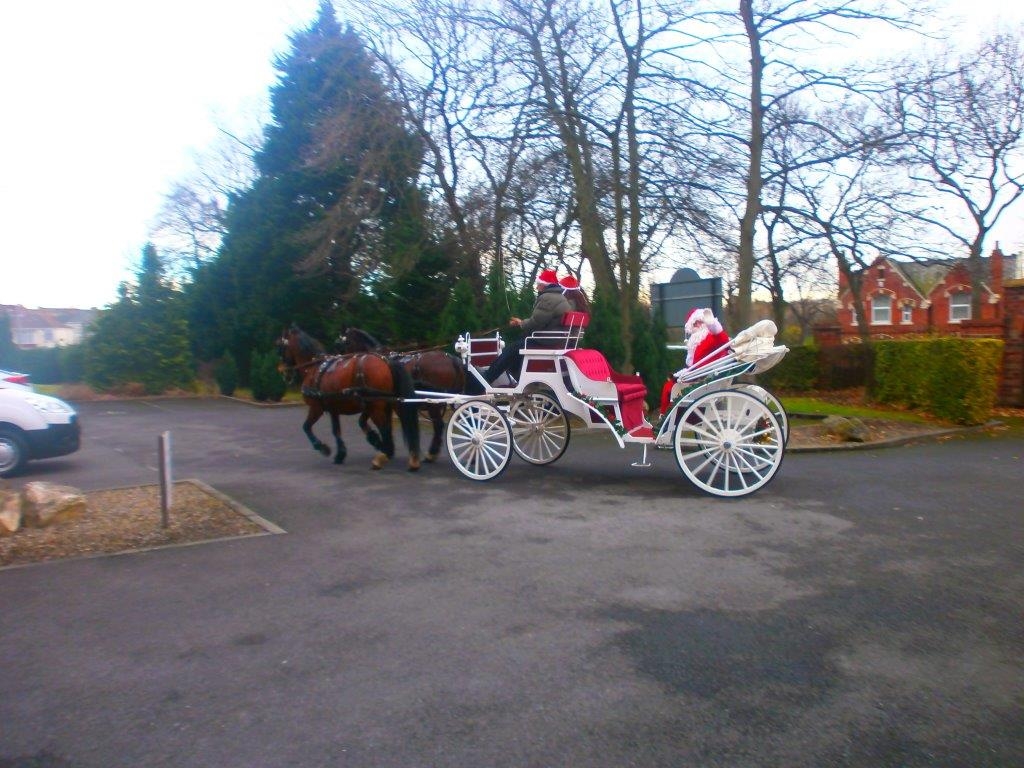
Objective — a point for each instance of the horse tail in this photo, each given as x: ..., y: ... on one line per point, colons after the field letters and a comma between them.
x: 408, y: 413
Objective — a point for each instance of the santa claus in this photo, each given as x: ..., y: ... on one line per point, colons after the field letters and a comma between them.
x: 704, y: 337
x: 706, y: 340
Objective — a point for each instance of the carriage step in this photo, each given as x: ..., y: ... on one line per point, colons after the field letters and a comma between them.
x: 643, y: 430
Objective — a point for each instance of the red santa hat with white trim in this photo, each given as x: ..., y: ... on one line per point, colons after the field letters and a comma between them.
x: 569, y: 283
x: 693, y: 319
x: 547, y: 277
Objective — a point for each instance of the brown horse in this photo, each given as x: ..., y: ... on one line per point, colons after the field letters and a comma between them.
x: 365, y: 383
x: 433, y: 369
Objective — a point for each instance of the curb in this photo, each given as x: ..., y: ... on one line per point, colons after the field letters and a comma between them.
x: 254, y: 403
x: 269, y: 529
x: 895, y: 441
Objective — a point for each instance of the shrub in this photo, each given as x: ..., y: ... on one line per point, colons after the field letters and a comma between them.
x: 954, y: 379
x: 266, y: 381
x: 225, y: 373
x: 798, y: 371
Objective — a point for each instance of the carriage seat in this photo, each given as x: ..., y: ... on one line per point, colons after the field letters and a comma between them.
x: 630, y: 390
x: 481, y: 350
x: 565, y: 338
x: 573, y: 320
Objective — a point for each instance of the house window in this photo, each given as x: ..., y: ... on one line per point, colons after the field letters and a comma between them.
x: 907, y: 314
x: 881, y: 310
x: 959, y: 306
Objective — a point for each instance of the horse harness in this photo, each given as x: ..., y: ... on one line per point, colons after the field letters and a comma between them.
x: 358, y: 390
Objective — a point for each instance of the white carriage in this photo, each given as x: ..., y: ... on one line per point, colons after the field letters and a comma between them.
x: 728, y: 436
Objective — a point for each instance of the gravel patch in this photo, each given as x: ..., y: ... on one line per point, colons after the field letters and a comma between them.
x: 128, y: 520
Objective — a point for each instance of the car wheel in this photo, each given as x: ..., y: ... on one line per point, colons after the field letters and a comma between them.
x: 13, y: 453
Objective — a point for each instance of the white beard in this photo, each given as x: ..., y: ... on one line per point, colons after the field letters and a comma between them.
x: 699, y: 334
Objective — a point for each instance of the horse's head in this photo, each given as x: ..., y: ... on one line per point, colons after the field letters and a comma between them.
x: 286, y: 352
x: 297, y: 350
x: 356, y: 340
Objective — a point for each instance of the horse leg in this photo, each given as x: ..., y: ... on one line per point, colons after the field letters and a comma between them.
x: 436, y: 413
x: 409, y: 418
x: 340, y: 450
x: 374, y: 438
x: 315, y: 412
x: 387, y: 434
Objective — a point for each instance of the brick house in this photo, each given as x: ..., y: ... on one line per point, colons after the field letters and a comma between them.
x: 925, y: 297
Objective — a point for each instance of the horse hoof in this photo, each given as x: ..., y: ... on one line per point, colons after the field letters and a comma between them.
x: 323, y: 450
x: 379, y: 461
x: 430, y: 458
x: 414, y: 467
x: 339, y: 459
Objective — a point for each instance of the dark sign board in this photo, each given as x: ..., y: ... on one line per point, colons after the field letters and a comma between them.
x: 685, y: 292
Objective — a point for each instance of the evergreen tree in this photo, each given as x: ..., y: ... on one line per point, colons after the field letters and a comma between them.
x: 410, y: 303
x: 267, y: 383
x: 333, y: 211
x: 499, y: 299
x: 459, y: 314
x: 143, y: 337
x: 650, y: 354
x: 605, y: 330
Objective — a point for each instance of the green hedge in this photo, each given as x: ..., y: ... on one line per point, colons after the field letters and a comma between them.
x: 58, y: 365
x: 797, y: 372
x: 954, y: 379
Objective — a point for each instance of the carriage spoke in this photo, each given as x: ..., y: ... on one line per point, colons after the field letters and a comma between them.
x: 479, y: 440
x: 728, y: 443
x: 540, y: 433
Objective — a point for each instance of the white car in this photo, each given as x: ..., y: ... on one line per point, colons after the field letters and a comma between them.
x: 34, y: 426
x: 14, y: 380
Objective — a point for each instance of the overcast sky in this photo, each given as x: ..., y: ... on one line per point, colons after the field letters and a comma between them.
x: 105, y: 103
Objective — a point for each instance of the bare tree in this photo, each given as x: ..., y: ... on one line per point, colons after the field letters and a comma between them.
x: 965, y: 126
x: 783, y: 41
x: 190, y: 224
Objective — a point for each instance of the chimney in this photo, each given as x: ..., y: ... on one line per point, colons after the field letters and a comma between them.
x: 996, y: 269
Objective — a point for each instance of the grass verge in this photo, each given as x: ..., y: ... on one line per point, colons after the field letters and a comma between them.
x: 804, y: 404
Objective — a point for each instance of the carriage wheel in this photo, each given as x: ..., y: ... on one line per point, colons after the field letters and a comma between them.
x: 773, y: 404
x: 729, y: 443
x: 479, y: 440
x: 540, y: 428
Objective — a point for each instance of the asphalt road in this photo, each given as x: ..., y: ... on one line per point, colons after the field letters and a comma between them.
x: 864, y: 609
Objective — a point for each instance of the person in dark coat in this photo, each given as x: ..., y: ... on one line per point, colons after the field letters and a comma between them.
x: 547, y: 314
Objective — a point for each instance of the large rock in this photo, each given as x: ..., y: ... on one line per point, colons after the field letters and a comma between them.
x: 44, y: 504
x: 849, y: 430
x: 10, y: 512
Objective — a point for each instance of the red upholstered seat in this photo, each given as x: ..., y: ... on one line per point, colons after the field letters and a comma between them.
x: 591, y: 363
x: 576, y: 319
x: 630, y: 389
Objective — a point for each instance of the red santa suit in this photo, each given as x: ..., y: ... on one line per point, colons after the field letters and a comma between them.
x: 706, y: 341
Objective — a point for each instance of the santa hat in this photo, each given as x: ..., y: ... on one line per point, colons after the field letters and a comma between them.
x: 569, y: 283
x: 695, y: 318
x: 547, y: 277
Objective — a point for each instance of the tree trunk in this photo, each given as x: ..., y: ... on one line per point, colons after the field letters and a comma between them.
x: 748, y: 223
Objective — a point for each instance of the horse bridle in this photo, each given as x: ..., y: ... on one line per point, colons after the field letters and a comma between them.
x: 290, y: 370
